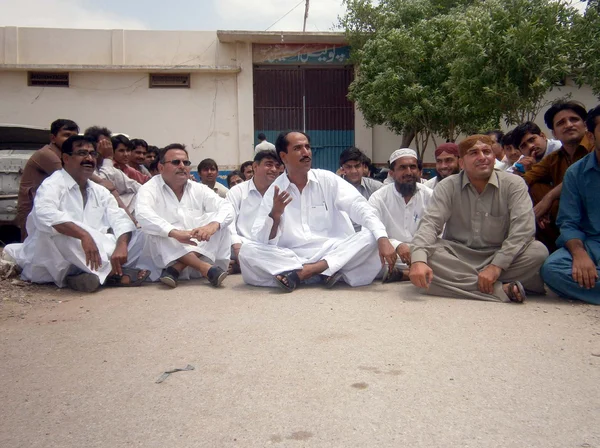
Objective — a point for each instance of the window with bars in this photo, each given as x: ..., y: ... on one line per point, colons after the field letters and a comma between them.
x: 169, y: 81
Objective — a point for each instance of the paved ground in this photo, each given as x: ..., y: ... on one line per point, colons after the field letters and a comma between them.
x: 370, y: 367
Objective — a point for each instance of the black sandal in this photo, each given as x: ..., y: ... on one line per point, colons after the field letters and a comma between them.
x: 395, y: 275
x: 333, y: 279
x: 216, y: 275
x: 132, y: 273
x: 291, y: 278
x: 169, y: 276
x: 511, y: 292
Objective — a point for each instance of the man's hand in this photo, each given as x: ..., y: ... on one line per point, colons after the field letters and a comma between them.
x: 92, y: 254
x: 487, y: 277
x: 183, y: 236
x: 119, y: 257
x: 280, y: 202
x: 387, y: 253
x: 527, y: 162
x: 105, y: 149
x: 403, y: 252
x: 541, y: 209
x: 420, y: 274
x: 205, y: 232
x: 584, y: 270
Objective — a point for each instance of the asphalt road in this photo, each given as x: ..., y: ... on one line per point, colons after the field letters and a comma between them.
x: 380, y: 366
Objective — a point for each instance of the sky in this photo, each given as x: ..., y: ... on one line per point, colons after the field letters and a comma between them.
x: 256, y: 15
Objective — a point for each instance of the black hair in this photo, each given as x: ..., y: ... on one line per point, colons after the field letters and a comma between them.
x: 121, y: 140
x: 559, y: 106
x: 281, y: 143
x: 529, y: 127
x: 352, y: 154
x: 135, y: 142
x: 507, y: 139
x: 95, y: 132
x: 154, y: 165
x: 208, y: 163
x: 62, y: 123
x: 244, y: 165
x: 261, y: 136
x: 590, y: 121
x: 67, y: 146
x: 495, y: 132
x: 163, y: 152
x: 266, y: 154
x: 233, y: 173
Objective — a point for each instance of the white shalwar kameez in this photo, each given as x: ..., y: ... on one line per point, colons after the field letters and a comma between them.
x: 399, y: 218
x: 314, y: 227
x: 245, y: 199
x: 49, y: 256
x: 158, y: 211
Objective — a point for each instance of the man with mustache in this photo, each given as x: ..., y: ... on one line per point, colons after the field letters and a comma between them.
x: 400, y: 207
x: 185, y: 223
x: 208, y: 172
x: 246, y: 198
x: 544, y: 179
x: 487, y: 250
x: 69, y: 243
x: 122, y: 149
x: 573, y: 270
x: 138, y: 156
x: 446, y: 163
x: 302, y: 228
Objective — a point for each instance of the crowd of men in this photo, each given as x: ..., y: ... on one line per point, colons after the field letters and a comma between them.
x: 506, y: 214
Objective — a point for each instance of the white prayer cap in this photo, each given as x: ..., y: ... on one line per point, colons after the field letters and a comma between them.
x: 402, y: 152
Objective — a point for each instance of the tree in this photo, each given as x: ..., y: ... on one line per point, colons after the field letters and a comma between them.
x: 448, y: 67
x: 586, y: 51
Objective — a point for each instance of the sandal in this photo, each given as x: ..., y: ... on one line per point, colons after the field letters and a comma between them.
x: 511, y: 292
x: 169, y: 277
x: 131, y: 273
x: 83, y: 282
x: 216, y: 275
x: 291, y: 280
x: 333, y: 279
x: 395, y: 275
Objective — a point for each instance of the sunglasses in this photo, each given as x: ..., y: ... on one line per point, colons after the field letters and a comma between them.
x: 178, y: 162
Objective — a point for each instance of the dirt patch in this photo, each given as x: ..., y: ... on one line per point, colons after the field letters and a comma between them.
x: 17, y: 297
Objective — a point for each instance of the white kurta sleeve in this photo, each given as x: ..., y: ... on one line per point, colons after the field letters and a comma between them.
x: 376, y: 201
x: 47, y: 208
x: 213, y: 203
x: 117, y: 218
x: 234, y: 196
x: 349, y: 200
x: 261, y: 229
x: 146, y: 214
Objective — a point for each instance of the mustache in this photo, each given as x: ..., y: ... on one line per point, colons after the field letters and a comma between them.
x: 86, y: 163
x: 305, y: 158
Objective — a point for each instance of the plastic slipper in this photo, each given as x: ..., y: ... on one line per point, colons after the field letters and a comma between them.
x: 169, y: 276
x: 132, y: 273
x: 333, y: 279
x: 511, y: 293
x: 216, y: 275
x: 395, y: 275
x: 291, y: 278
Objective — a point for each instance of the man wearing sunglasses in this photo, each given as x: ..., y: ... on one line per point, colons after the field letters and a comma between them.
x: 185, y: 223
x: 68, y: 241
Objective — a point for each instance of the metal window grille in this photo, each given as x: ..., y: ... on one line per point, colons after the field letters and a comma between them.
x: 48, y: 79
x: 170, y: 81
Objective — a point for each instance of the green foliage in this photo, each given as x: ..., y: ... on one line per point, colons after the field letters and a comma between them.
x: 449, y: 67
x: 586, y: 52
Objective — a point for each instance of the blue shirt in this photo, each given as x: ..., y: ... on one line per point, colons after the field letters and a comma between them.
x: 579, y: 211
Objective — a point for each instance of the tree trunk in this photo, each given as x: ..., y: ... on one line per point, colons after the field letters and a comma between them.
x: 407, y: 138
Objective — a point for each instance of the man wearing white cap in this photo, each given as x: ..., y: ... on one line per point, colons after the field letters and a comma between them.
x: 302, y: 228
x: 400, y: 206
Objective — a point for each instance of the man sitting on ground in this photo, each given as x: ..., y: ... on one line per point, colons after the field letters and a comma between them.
x: 208, y: 172
x: 544, y: 179
x: 69, y: 240
x: 137, y: 158
x: 247, y: 170
x: 39, y: 167
x: 533, y: 144
x: 246, y: 198
x: 122, y: 148
x: 185, y: 223
x: 234, y: 178
x: 151, y: 156
x: 446, y: 163
x: 572, y: 271
x: 302, y: 227
x: 487, y: 251
x: 263, y: 144
x: 400, y: 206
